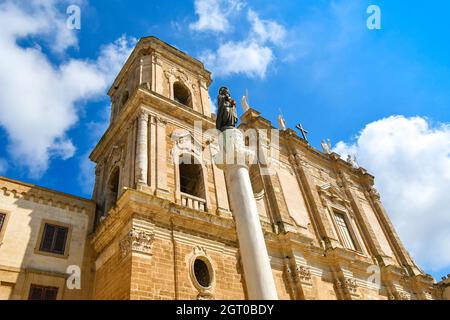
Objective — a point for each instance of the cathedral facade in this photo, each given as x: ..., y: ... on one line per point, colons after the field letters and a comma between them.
x: 160, y: 224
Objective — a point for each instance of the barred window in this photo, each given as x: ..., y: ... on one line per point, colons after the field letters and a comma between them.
x: 2, y: 220
x: 42, y: 293
x: 54, y: 239
x: 344, y: 231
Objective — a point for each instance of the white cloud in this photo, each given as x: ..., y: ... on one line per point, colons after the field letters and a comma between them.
x: 213, y: 14
x: 266, y: 30
x: 38, y: 98
x: 249, y: 58
x: 411, y: 162
x: 37, y: 17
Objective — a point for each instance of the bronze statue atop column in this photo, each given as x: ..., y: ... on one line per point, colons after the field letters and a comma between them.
x: 226, y: 115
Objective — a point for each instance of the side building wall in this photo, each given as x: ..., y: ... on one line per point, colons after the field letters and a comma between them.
x: 22, y: 264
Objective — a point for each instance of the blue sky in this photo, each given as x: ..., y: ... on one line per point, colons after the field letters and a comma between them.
x: 382, y: 95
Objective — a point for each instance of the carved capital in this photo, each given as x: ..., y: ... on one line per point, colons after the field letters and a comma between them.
x: 203, y: 84
x: 347, y: 285
x: 143, y: 116
x: 156, y: 59
x: 137, y: 240
x: 232, y: 150
x: 170, y: 74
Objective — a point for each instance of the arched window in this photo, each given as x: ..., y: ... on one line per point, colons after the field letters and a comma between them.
x: 112, y: 190
x: 191, y: 177
x: 181, y: 94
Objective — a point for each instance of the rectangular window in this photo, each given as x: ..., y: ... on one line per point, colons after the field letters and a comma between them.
x: 54, y: 239
x: 2, y: 220
x: 344, y: 231
x: 42, y: 293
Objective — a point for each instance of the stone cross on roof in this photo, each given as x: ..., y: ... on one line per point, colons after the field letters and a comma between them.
x: 303, y: 131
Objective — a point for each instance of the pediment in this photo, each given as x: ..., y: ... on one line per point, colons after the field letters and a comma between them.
x: 186, y: 142
x: 333, y: 193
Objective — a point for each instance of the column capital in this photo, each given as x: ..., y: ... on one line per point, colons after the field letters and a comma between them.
x: 143, y: 115
x: 233, y: 151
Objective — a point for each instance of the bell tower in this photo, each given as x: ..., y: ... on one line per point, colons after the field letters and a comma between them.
x: 159, y: 196
x: 157, y: 83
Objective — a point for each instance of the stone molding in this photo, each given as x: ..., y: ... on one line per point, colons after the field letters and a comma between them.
x: 45, y: 196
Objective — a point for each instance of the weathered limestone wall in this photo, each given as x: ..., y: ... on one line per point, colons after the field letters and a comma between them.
x: 158, y: 265
x: 112, y: 279
x: 21, y: 263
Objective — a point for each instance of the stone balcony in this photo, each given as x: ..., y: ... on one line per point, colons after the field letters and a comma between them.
x: 192, y: 202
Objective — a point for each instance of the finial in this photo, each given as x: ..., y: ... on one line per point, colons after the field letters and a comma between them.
x: 326, y: 146
x: 281, y: 121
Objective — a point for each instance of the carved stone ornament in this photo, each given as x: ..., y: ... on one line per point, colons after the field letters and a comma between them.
x: 333, y: 194
x: 403, y: 296
x: 137, y: 240
x: 170, y: 74
x: 348, y: 285
x: 184, y: 142
x: 373, y: 192
x: 304, y: 274
x: 116, y: 158
x: 199, y: 250
x: 205, y: 295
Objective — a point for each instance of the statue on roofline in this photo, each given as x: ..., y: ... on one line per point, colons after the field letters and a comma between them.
x: 226, y: 115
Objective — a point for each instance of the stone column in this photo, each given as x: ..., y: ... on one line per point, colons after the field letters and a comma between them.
x: 233, y: 158
x: 142, y: 150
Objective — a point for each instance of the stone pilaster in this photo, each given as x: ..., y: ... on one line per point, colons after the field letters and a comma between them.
x: 157, y: 74
x: 153, y: 153
x: 403, y: 254
x: 369, y: 234
x: 204, y: 96
x: 321, y: 218
x: 145, y: 72
x: 142, y: 149
x: 161, y: 155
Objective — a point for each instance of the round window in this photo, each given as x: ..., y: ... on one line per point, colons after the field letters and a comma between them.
x: 202, y: 273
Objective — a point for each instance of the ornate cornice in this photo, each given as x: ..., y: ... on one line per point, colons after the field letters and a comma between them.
x: 20, y: 190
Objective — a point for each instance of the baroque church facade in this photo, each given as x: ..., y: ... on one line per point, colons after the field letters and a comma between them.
x: 161, y: 227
